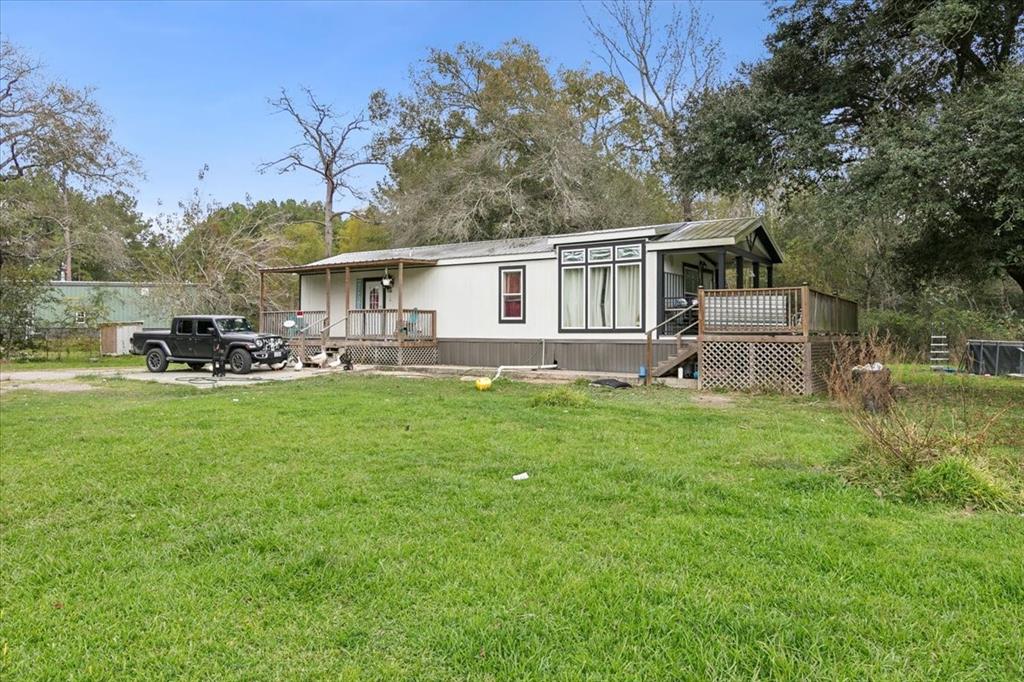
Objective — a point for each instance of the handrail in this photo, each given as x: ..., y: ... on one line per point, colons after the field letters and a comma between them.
x: 664, y: 322
x: 650, y: 339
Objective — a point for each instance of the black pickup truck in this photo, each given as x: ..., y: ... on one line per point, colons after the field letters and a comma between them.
x: 191, y: 340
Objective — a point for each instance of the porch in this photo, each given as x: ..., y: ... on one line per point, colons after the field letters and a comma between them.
x: 780, y: 338
x: 375, y: 334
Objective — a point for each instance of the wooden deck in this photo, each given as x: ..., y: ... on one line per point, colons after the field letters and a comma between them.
x: 378, y: 336
x: 780, y: 338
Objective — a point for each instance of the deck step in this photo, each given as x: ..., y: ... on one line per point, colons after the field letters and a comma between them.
x: 669, y: 364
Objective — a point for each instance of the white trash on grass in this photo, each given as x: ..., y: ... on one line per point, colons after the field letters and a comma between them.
x: 521, y: 477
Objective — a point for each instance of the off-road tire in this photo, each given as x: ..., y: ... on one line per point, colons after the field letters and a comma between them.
x: 240, y: 361
x: 156, y: 360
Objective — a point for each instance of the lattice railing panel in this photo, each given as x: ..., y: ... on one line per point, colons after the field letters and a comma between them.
x: 746, y: 365
x: 822, y: 354
x: 305, y: 352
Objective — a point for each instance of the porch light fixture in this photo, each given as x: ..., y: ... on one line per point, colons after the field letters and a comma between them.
x: 386, y: 281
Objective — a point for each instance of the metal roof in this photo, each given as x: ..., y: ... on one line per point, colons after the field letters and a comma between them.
x: 434, y: 252
x: 712, y: 229
x: 679, y: 232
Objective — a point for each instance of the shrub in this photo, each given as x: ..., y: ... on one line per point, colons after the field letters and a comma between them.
x: 920, y: 454
x: 960, y: 481
x: 562, y: 396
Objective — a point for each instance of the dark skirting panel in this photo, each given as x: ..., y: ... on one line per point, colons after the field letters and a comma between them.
x: 585, y: 355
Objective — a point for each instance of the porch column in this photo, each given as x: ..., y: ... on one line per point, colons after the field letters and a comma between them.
x: 659, y: 306
x: 401, y: 319
x: 327, y: 303
x: 739, y: 272
x: 348, y: 296
x: 263, y: 296
x: 757, y: 274
x: 770, y: 282
x: 720, y: 270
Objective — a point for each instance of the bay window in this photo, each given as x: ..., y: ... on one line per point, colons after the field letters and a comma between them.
x: 574, y: 293
x: 599, y: 299
x: 628, y: 295
x: 601, y: 288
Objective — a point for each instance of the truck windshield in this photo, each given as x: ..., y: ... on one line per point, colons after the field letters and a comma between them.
x: 234, y: 324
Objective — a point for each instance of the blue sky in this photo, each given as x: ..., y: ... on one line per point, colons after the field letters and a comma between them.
x: 186, y: 83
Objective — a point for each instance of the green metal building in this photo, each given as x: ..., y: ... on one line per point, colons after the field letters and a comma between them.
x: 118, y: 301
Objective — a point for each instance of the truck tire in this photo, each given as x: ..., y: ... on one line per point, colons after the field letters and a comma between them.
x: 240, y: 361
x: 196, y: 366
x: 156, y: 360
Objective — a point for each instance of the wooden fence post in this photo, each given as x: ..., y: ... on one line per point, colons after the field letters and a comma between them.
x: 263, y: 296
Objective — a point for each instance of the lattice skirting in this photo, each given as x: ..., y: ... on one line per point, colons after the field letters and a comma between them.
x: 372, y: 355
x: 388, y: 355
x: 765, y: 365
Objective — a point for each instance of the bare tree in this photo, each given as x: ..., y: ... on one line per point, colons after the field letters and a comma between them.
x: 50, y: 127
x: 664, y: 70
x: 213, y: 264
x: 328, y: 149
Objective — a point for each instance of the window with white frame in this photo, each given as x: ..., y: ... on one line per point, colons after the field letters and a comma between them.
x: 601, y: 288
x: 512, y: 296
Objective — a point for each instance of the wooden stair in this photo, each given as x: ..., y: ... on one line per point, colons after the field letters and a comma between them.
x: 683, y: 353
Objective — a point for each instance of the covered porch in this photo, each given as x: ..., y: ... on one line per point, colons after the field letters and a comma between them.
x: 373, y: 324
x: 731, y: 255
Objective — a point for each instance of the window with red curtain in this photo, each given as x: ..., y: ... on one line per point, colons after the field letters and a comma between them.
x: 512, y: 294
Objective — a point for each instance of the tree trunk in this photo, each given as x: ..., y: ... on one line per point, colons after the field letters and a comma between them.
x: 329, y: 220
x: 66, y: 227
x: 1016, y: 272
x: 687, y: 202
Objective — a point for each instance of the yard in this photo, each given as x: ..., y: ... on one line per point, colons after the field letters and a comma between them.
x: 358, y: 527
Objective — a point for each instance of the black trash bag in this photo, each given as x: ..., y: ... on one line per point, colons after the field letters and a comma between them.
x: 610, y: 383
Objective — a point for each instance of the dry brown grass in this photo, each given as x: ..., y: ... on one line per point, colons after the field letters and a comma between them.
x: 922, y: 450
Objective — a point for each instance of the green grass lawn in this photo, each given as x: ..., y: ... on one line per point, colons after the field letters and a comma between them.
x: 358, y: 527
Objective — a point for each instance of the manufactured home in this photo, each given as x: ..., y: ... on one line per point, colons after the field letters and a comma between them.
x: 695, y: 299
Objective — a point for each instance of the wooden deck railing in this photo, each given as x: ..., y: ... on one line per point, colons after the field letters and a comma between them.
x: 386, y: 324
x: 312, y: 321
x: 797, y: 311
x: 358, y: 324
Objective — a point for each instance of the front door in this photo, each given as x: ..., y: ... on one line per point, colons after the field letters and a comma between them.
x: 373, y: 294
x: 374, y: 298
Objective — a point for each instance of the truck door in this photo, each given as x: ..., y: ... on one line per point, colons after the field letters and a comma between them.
x: 181, y: 340
x: 202, y: 347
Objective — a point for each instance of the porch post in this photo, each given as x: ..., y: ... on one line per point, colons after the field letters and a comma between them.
x: 263, y: 296
x: 720, y: 270
x: 348, y: 295
x: 659, y: 306
x: 757, y: 274
x: 327, y: 301
x: 770, y: 282
x: 401, y: 287
x: 739, y: 272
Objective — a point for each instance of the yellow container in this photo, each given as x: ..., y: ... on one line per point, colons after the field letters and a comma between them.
x: 483, y: 384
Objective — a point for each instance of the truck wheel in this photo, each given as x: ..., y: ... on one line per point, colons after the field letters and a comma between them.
x: 196, y: 366
x: 156, y: 361
x: 241, y: 361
